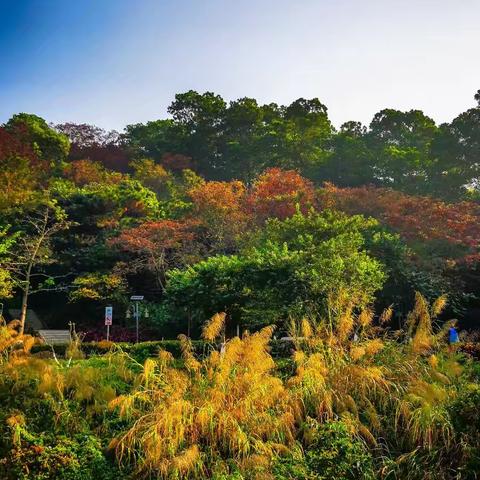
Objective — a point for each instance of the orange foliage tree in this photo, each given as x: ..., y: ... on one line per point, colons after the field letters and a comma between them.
x: 277, y: 192
x: 415, y: 218
x: 85, y: 171
x: 220, y: 208
x: 157, y: 247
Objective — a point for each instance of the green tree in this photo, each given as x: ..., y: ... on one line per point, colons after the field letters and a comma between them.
x: 154, y: 139
x: 351, y: 162
x: 284, y: 272
x: 304, y: 135
x: 239, y: 140
x: 47, y: 143
x: 457, y: 152
x: 243, y: 145
x: 26, y: 258
x: 401, y: 144
x: 200, y: 116
x: 6, y: 245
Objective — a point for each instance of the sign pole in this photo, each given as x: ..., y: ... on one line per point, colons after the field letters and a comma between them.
x: 136, y: 317
x: 136, y: 311
x: 108, y: 320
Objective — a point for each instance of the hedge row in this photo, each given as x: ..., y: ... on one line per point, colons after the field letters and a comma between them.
x: 143, y: 350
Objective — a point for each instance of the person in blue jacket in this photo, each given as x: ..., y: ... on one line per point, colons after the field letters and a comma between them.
x: 453, y: 337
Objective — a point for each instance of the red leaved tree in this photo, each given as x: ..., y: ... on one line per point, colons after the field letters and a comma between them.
x: 415, y: 218
x: 157, y: 246
x: 277, y: 192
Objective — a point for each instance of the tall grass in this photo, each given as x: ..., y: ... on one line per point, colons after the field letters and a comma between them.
x: 229, y: 410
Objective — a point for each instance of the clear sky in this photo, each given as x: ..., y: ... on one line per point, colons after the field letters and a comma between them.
x: 114, y: 62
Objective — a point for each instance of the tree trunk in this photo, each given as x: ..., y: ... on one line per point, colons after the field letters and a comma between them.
x: 26, y: 291
x: 23, y: 311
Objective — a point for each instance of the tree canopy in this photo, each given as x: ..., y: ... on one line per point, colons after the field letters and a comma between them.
x: 266, y: 212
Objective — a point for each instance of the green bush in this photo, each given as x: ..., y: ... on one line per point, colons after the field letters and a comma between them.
x: 143, y: 350
x: 465, y: 415
x: 139, y: 351
x: 464, y: 411
x: 330, y: 452
x: 53, y: 457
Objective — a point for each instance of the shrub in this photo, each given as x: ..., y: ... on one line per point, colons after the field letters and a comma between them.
x: 464, y: 411
x: 46, y: 456
x: 331, y: 452
x: 139, y: 351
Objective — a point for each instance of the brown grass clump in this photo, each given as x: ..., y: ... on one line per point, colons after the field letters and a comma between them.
x: 12, y: 342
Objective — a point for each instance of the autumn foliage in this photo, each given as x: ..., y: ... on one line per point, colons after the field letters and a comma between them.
x: 220, y: 208
x: 21, y: 169
x: 82, y: 172
x: 416, y: 218
x: 12, y: 145
x: 176, y: 161
x: 276, y: 193
x: 157, y: 246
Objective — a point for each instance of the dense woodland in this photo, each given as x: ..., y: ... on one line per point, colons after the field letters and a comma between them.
x: 244, y: 208
x: 359, y: 243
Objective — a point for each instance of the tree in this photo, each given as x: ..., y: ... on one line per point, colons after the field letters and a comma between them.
x: 351, y: 162
x: 83, y: 172
x: 6, y: 243
x: 84, y: 136
x: 22, y: 172
x: 415, y: 218
x: 48, y: 144
x: 152, y: 175
x: 242, y: 144
x: 304, y: 136
x: 93, y: 143
x: 401, y: 145
x: 200, y: 116
x: 457, y: 151
x: 236, y: 141
x: 108, y: 204
x: 32, y: 253
x: 219, y: 206
x: 276, y: 193
x: 157, y: 247
x: 100, y: 211
x: 99, y: 286
x: 443, y: 240
x: 283, y: 273
x: 155, y: 139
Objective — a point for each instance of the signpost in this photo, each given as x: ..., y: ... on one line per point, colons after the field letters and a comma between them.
x: 136, y: 311
x: 108, y: 320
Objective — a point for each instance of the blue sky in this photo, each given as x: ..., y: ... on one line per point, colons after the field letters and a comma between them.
x: 114, y: 62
